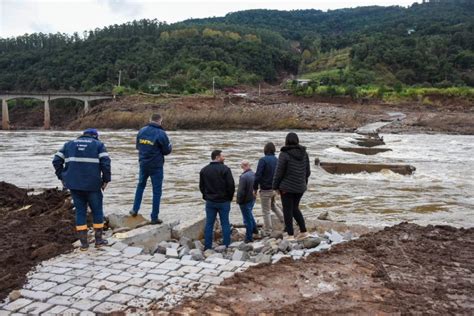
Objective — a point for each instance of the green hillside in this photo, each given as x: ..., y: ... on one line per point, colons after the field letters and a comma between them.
x: 431, y: 45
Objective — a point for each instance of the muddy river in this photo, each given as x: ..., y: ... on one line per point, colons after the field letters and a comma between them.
x: 440, y: 191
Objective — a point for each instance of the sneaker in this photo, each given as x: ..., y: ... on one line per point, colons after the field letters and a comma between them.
x: 302, y: 236
x: 156, y: 221
x: 133, y: 213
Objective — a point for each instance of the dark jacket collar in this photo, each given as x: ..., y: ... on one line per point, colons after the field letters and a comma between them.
x: 153, y: 124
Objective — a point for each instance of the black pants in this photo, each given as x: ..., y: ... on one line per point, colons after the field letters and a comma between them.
x: 291, y: 209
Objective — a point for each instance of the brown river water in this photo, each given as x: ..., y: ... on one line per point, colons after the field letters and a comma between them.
x: 439, y: 192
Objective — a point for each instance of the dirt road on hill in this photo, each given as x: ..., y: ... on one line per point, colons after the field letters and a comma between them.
x: 406, y: 269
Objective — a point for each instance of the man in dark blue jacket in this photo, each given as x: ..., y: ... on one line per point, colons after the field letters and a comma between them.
x: 83, y: 166
x: 152, y: 144
x: 264, y: 178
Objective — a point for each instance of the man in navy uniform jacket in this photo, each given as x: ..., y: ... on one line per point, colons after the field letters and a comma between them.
x: 83, y: 166
x: 152, y: 144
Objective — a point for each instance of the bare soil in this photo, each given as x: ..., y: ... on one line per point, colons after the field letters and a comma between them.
x: 406, y: 269
x: 33, y: 228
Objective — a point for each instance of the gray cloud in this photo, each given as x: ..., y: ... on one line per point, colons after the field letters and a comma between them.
x: 123, y: 7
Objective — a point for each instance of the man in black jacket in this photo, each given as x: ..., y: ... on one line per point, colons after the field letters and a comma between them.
x: 217, y: 187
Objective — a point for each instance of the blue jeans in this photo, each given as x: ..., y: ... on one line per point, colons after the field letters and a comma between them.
x: 249, y: 220
x: 212, y: 209
x: 92, y: 198
x: 156, y: 176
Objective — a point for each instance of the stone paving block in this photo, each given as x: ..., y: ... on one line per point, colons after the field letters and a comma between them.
x: 36, y: 295
x: 157, y: 277
x: 87, y: 313
x: 72, y: 290
x: 119, y: 246
x: 155, y: 285
x: 44, y: 286
x: 226, y: 274
x: 143, y: 257
x: 103, y: 263
x: 210, y: 272
x: 248, y: 264
x: 132, y: 262
x: 32, y: 283
x: 172, y: 253
x: 152, y: 294
x: 56, y: 270
x: 176, y: 273
x: 80, y: 281
x: 179, y: 280
x: 158, y: 271
x: 189, y: 262
x: 212, y: 279
x: 36, y: 308
x: 17, y: 304
x: 137, y: 281
x: 59, y: 289
x: 107, y: 308
x: 76, y: 273
x: 172, y: 260
x: 101, y: 275
x: 119, y: 286
x: 62, y: 300
x: 118, y: 278
x: 169, y: 266
x: 158, y: 257
x: 61, y: 278
x: 111, y: 271
x: 140, y: 302
x: 237, y: 263
x: 85, y: 261
x: 131, y: 290
x: 101, y: 295
x: 114, y: 259
x: 101, y: 284
x: 71, y: 312
x: 190, y: 269
x: 133, y: 274
x: 86, y: 293
x: 119, y: 266
x: 56, y: 310
x: 148, y: 264
x: 218, y: 261
x: 227, y: 267
x: 207, y: 265
x: 43, y: 276
x: 130, y: 252
x: 119, y: 298
x: 85, y: 305
x: 193, y: 276
x: 93, y: 268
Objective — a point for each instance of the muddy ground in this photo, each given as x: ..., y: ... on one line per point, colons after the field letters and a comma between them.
x: 405, y: 269
x: 274, y: 109
x: 33, y: 228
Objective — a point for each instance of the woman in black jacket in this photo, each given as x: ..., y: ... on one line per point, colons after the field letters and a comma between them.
x: 291, y: 179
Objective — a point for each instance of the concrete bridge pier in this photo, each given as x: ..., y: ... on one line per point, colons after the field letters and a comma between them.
x: 86, y: 106
x: 5, y: 116
x: 47, y: 115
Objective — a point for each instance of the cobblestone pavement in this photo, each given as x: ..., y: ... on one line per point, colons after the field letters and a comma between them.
x: 107, y: 280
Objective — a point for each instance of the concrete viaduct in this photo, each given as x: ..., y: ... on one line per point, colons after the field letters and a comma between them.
x: 46, y: 97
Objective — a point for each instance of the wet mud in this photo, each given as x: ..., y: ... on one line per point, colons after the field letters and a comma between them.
x: 405, y: 269
x: 33, y: 228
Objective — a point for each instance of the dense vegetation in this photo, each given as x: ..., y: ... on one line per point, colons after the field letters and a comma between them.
x: 429, y: 45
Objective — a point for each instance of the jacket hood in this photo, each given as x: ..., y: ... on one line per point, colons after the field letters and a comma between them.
x: 298, y: 152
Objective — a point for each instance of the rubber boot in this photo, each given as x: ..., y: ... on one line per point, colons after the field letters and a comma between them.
x: 99, y: 241
x: 83, y: 239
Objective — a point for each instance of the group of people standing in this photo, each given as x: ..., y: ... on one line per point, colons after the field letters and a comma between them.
x: 83, y: 165
x: 286, y: 176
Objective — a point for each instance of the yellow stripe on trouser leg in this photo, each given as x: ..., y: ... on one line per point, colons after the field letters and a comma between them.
x: 98, y: 225
x: 81, y: 227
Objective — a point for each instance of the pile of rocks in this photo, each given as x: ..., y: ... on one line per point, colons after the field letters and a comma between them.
x: 265, y: 250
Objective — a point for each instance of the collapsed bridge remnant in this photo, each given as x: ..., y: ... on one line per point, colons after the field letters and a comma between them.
x: 351, y: 168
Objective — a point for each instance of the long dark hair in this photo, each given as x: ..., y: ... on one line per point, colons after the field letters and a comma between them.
x: 269, y: 149
x: 292, y: 139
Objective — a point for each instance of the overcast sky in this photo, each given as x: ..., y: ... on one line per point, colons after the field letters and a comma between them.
x: 18, y: 17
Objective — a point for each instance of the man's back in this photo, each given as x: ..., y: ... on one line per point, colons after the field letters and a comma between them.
x: 152, y: 144
x: 216, y: 183
x: 265, y: 172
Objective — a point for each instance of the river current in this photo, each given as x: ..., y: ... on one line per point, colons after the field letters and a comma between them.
x: 439, y: 192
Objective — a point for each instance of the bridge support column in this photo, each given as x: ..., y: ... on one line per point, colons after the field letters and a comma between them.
x: 47, y: 116
x: 5, y: 116
x: 86, y: 106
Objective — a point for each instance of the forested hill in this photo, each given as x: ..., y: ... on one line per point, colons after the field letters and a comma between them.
x: 425, y: 44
